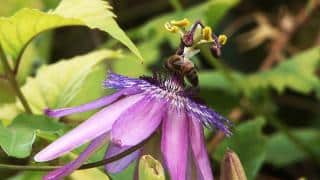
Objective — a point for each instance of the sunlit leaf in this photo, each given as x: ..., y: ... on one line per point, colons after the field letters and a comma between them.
x: 250, y: 145
x: 17, y: 139
x: 281, y: 151
x: 8, y: 7
x: 16, y: 31
x: 8, y: 112
x: 58, y: 84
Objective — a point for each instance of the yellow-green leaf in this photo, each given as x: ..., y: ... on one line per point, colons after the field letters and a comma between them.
x: 58, y: 84
x: 16, y: 31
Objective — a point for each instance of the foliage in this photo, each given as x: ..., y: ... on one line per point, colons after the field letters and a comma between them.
x: 296, y: 73
x: 53, y: 89
x: 17, y: 139
x: 250, y: 145
x: 18, y: 30
x: 27, y: 44
x: 281, y: 151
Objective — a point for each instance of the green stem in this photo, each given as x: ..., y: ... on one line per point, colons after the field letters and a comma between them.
x: 85, y: 166
x: 12, y: 79
x: 286, y: 131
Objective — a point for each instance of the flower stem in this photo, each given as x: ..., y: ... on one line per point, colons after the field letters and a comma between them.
x: 85, y: 166
x: 12, y: 79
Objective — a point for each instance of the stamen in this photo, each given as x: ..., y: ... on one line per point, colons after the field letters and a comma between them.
x: 222, y: 39
x: 182, y: 23
x: 207, y: 33
x: 171, y: 28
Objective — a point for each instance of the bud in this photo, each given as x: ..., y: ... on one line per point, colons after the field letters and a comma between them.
x: 150, y: 168
x: 231, y: 167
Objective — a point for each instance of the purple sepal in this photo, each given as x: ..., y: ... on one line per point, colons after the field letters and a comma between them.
x: 96, y: 125
x: 121, y: 164
x: 104, y: 101
x: 70, y: 167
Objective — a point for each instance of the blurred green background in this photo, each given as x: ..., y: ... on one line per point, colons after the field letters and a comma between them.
x: 267, y: 80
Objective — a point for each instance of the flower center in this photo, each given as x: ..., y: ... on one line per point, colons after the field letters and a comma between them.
x: 169, y: 86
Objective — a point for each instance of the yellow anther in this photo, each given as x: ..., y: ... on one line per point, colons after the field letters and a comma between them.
x: 171, y: 28
x: 182, y: 23
x: 207, y: 33
x: 222, y: 39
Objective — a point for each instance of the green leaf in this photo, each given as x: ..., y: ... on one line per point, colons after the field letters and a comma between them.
x: 296, y: 73
x: 217, y: 80
x: 249, y: 143
x: 58, y: 84
x: 217, y: 9
x: 17, y: 139
x: 150, y: 168
x: 16, y: 31
x: 28, y: 175
x: 281, y: 151
x: 126, y: 65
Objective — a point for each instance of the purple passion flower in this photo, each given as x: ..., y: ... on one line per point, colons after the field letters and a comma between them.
x: 132, y: 114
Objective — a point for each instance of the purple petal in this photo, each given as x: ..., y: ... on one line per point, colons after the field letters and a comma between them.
x: 199, y: 151
x: 70, y: 167
x: 121, y: 164
x: 98, y: 124
x: 92, y: 105
x: 138, y: 122
x: 174, y: 143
